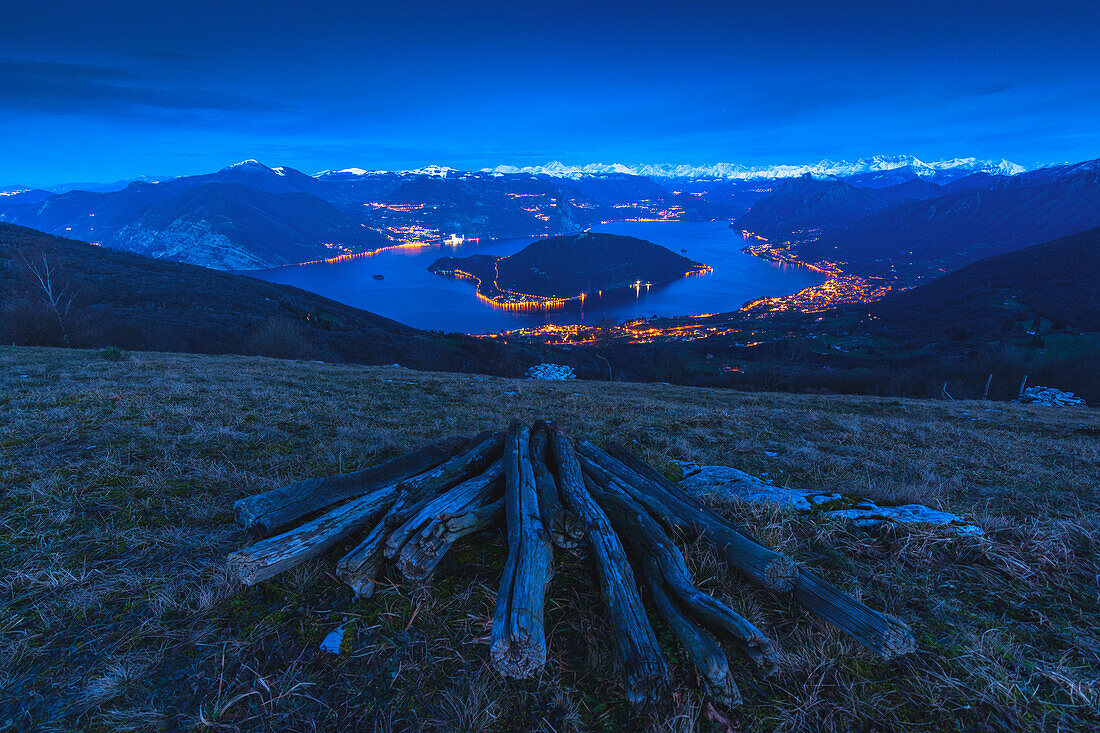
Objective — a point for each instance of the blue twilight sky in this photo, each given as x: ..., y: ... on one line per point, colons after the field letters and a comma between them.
x: 100, y: 90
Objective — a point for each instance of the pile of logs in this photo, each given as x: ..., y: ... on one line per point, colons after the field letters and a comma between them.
x: 550, y: 491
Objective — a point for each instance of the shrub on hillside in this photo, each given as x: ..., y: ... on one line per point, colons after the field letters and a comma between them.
x: 280, y: 338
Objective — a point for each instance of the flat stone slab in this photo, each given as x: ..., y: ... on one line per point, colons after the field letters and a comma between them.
x: 726, y: 482
x: 333, y: 640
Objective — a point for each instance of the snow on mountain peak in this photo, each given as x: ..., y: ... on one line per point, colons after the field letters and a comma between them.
x: 348, y: 172
x: 730, y: 171
x: 251, y: 163
x: 440, y: 171
x: 432, y: 170
x: 822, y: 169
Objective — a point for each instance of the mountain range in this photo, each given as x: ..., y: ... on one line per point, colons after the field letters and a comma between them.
x: 251, y: 216
x: 970, y: 221
x: 942, y: 169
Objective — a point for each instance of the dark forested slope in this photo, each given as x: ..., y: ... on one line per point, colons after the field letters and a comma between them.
x: 1057, y: 280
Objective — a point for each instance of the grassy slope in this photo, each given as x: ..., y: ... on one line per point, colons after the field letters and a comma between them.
x: 115, y: 518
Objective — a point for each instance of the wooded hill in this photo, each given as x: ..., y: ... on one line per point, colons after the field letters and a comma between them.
x: 1058, y: 280
x: 565, y: 267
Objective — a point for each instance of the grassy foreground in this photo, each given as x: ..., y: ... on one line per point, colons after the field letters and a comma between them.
x: 118, y: 478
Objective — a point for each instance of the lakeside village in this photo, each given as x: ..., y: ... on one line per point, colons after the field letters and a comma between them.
x: 840, y: 289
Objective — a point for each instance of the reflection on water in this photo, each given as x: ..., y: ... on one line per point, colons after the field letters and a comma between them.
x: 410, y: 294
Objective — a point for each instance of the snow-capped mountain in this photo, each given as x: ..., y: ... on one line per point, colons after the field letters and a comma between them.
x: 439, y: 171
x: 347, y: 172
x: 822, y: 169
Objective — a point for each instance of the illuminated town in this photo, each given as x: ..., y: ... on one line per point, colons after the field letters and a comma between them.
x: 744, y: 323
x: 840, y: 289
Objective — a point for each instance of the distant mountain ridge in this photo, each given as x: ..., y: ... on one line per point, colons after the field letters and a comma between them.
x: 249, y: 215
x: 806, y: 204
x: 872, y: 166
x: 955, y: 167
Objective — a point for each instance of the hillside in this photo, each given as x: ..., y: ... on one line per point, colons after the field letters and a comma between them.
x: 948, y: 232
x: 1058, y: 280
x: 119, y: 477
x: 233, y: 227
x: 803, y: 204
x: 136, y: 302
x: 917, y: 189
x: 245, y: 216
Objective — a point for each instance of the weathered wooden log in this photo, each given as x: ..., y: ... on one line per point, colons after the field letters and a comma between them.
x: 664, y: 564
x: 766, y: 567
x: 471, y: 491
x: 286, y: 505
x: 606, y: 479
x: 472, y: 520
x: 419, y: 558
x: 360, y: 567
x: 272, y: 556
x: 470, y: 462
x: 644, y: 668
x: 880, y: 633
x: 702, y: 648
x: 517, y: 643
x: 643, y: 469
x: 420, y: 539
x: 565, y: 531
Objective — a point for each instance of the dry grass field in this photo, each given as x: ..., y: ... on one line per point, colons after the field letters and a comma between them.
x: 118, y: 474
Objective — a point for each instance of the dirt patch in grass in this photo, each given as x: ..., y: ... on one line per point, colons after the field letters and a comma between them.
x: 118, y: 478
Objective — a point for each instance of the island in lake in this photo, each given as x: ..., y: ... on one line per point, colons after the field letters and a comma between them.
x: 550, y: 272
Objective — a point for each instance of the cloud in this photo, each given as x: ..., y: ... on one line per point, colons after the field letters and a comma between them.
x: 165, y: 55
x: 66, y: 88
x: 52, y: 69
x: 978, y: 90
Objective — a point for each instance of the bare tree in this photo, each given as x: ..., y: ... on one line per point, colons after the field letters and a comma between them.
x: 605, y: 339
x: 49, y: 288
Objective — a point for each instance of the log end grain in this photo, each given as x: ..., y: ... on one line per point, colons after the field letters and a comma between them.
x: 780, y: 574
x: 518, y: 656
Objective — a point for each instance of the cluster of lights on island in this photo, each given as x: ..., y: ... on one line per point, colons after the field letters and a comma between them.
x: 495, y: 296
x: 840, y: 288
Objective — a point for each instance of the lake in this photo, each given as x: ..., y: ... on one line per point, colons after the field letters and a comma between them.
x: 410, y: 294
